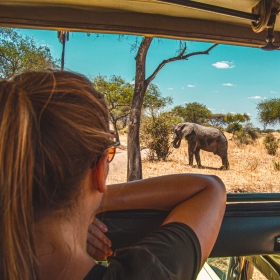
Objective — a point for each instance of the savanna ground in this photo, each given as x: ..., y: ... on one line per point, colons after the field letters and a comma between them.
x: 251, y: 170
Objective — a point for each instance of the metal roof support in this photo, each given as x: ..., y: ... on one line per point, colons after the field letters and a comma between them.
x: 213, y: 9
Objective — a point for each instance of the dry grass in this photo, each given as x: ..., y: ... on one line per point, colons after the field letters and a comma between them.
x: 251, y: 168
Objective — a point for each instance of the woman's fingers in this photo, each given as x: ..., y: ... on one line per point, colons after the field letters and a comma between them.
x: 98, y: 245
x: 99, y: 224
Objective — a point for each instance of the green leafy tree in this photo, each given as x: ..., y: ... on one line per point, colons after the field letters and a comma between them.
x: 119, y: 94
x: 269, y: 112
x: 193, y: 112
x: 217, y: 120
x: 235, y: 121
x: 154, y: 101
x: 20, y: 53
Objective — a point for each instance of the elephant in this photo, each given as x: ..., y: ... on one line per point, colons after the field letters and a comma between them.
x: 201, y: 137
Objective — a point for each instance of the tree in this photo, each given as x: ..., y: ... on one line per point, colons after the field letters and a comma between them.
x: 119, y: 94
x: 134, y: 165
x: 269, y: 112
x: 217, y: 120
x: 154, y: 101
x: 63, y: 36
x: 193, y: 112
x: 234, y: 121
x: 20, y: 53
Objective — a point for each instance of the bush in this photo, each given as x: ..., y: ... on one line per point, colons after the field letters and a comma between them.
x: 270, y: 143
x: 247, y: 135
x: 242, y: 138
x: 251, y: 131
x: 233, y: 127
x: 155, y: 135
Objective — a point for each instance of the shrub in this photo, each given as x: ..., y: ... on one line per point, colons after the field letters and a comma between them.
x: 251, y: 131
x: 242, y: 138
x: 270, y: 143
x: 155, y: 135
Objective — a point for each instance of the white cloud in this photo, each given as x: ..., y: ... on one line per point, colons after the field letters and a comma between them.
x: 228, y: 85
x: 223, y: 65
x: 214, y: 91
x: 256, y: 97
x: 170, y: 88
x: 272, y: 91
x: 132, y: 82
x: 223, y: 110
x: 248, y: 114
x: 191, y: 86
x: 183, y: 88
x: 233, y: 113
x: 212, y: 109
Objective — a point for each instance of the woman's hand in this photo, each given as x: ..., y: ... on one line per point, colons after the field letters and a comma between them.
x: 98, y: 245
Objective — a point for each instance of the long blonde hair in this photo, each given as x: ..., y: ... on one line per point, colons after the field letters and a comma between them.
x: 53, y: 125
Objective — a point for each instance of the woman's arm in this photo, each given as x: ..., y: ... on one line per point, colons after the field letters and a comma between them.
x: 196, y: 200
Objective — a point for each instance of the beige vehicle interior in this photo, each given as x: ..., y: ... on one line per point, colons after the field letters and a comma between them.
x: 251, y: 223
x: 241, y: 22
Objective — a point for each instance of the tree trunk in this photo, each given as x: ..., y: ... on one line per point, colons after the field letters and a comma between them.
x: 63, y: 51
x: 116, y: 131
x: 134, y: 164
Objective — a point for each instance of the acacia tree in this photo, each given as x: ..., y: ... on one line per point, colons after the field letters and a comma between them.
x: 20, y: 53
x: 234, y: 121
x: 217, y: 120
x: 193, y: 112
x: 269, y: 112
x: 134, y: 165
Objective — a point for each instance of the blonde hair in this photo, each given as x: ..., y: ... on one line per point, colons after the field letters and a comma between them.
x: 53, y: 125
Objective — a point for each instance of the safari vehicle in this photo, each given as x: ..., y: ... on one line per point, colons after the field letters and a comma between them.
x: 250, y: 233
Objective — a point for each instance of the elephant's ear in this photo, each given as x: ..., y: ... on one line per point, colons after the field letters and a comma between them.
x: 187, y: 129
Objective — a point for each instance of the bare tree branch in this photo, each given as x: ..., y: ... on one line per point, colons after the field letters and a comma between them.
x: 180, y: 56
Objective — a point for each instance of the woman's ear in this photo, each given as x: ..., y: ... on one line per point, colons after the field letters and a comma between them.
x: 99, y: 174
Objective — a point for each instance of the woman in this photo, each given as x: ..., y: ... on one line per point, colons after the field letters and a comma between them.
x: 54, y: 162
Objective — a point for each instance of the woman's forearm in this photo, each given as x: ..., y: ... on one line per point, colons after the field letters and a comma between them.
x: 161, y: 193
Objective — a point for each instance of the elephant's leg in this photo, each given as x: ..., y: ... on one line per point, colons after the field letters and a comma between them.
x: 190, y: 151
x: 197, y: 157
x: 225, y: 163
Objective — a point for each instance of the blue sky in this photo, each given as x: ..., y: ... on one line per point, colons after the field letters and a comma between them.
x: 229, y: 79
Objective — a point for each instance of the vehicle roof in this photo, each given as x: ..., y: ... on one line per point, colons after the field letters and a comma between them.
x: 140, y: 17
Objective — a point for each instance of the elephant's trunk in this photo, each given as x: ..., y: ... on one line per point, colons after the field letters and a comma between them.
x: 177, y: 143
